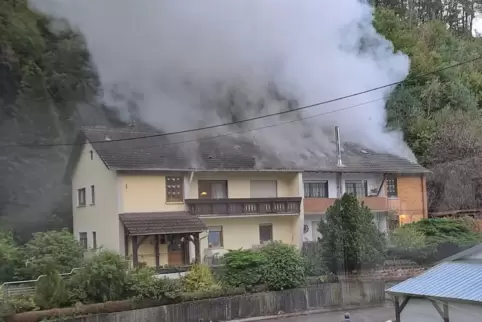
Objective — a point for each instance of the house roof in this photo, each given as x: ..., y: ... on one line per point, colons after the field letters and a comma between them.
x: 225, y: 153
x: 152, y: 223
x: 448, y: 280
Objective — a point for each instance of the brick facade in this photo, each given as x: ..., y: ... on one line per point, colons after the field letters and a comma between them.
x: 411, y: 204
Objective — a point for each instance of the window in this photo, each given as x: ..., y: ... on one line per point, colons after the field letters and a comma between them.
x: 81, y: 197
x: 263, y: 188
x: 174, y: 189
x: 392, y: 190
x: 83, y: 240
x: 209, y: 189
x: 215, y: 237
x: 356, y: 187
x: 92, y: 195
x: 316, y: 234
x: 94, y: 240
x: 265, y: 233
x: 316, y: 189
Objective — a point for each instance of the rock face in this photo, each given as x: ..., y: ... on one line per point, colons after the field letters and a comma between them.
x: 33, y: 194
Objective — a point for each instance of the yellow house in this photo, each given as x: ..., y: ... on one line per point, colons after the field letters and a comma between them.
x: 164, y: 203
x: 146, y: 198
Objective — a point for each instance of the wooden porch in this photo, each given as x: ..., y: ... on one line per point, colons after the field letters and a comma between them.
x: 164, y: 237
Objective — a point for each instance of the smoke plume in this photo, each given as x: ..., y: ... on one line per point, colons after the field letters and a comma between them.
x: 187, y: 64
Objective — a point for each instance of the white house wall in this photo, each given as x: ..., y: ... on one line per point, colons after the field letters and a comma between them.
x: 373, y: 180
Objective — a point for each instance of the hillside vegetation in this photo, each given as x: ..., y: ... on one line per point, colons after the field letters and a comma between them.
x: 44, y: 74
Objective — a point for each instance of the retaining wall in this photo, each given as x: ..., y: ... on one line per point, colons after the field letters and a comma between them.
x: 322, y: 296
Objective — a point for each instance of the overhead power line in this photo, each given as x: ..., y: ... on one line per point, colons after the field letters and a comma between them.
x: 261, y: 116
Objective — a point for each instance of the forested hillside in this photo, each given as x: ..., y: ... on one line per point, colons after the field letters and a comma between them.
x: 46, y: 81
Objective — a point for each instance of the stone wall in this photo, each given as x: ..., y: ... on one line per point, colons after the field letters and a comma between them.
x: 322, y: 296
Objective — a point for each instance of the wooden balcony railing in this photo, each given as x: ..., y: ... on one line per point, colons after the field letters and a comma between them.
x: 249, y: 206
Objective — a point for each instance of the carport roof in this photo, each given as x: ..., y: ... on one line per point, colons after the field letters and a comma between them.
x: 449, y: 280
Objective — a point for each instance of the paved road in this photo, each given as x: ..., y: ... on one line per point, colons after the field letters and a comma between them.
x: 376, y: 314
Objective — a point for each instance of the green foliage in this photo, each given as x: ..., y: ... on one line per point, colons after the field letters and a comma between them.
x: 350, y: 239
x: 58, y: 249
x: 408, y: 236
x: 103, y: 278
x: 439, y: 231
x: 424, y: 107
x: 314, y: 264
x: 243, y: 268
x: 16, y: 304
x: 284, y: 267
x: 199, y: 278
x: 143, y: 284
x: 38, y: 62
x: 50, y: 290
x: 9, y: 257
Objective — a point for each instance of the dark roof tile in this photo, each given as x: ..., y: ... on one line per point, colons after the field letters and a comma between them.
x: 227, y: 153
x: 151, y: 223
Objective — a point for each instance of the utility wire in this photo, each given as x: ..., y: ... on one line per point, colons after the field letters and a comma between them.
x: 242, y: 131
x: 257, y: 117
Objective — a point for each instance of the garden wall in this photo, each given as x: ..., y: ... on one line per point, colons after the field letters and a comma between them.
x: 322, y: 296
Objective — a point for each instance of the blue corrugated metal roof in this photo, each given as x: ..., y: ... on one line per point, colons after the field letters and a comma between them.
x: 451, y: 280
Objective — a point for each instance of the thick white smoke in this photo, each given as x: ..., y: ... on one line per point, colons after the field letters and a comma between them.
x: 186, y: 64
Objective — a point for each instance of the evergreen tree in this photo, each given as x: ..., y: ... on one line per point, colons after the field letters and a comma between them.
x: 350, y: 238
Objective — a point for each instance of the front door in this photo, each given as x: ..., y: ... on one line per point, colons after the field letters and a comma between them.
x: 175, y: 251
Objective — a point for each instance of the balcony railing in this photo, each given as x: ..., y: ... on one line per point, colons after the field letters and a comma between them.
x: 249, y: 206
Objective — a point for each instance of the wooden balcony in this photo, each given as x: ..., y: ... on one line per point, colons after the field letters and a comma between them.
x: 320, y: 205
x: 248, y: 206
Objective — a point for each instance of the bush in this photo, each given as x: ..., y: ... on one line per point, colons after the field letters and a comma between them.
x: 103, y: 278
x: 443, y: 230
x: 408, y: 236
x: 284, y: 266
x: 58, y: 248
x: 243, y: 268
x: 16, y: 304
x: 198, y: 278
x: 142, y: 284
x: 51, y: 291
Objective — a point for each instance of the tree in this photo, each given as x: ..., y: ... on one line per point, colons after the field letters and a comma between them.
x: 58, y: 249
x: 350, y: 238
x: 9, y: 257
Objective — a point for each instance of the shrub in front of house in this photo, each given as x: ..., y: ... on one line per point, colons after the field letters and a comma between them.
x: 283, y: 267
x: 243, y: 268
x: 198, y: 279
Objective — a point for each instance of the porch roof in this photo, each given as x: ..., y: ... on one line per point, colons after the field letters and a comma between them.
x: 160, y: 223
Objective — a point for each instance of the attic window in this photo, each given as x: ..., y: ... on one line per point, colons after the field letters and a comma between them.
x: 364, y: 151
x: 91, y: 155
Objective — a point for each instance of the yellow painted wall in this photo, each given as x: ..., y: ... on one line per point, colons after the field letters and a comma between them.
x: 239, y: 183
x: 103, y: 216
x: 145, y: 193
x: 244, y: 232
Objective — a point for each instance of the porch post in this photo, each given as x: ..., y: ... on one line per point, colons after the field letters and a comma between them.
x: 185, y: 247
x: 197, y: 247
x: 135, y: 258
x: 156, y: 249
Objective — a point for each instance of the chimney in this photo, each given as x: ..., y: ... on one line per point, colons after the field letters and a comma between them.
x: 338, y: 146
